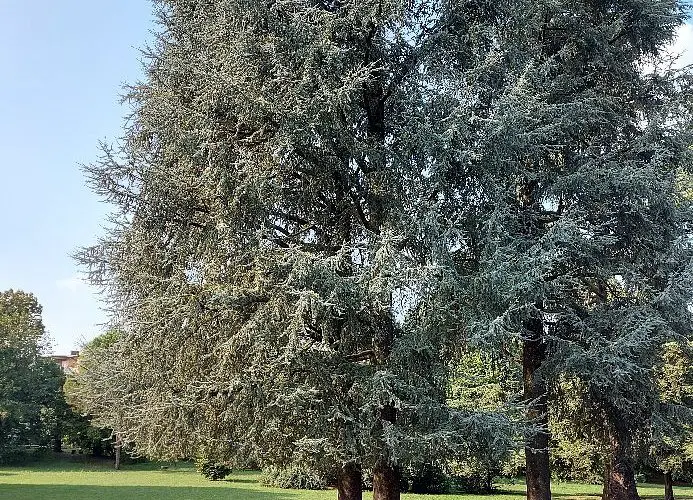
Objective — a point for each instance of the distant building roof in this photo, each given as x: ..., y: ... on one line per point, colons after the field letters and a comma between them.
x: 67, y: 363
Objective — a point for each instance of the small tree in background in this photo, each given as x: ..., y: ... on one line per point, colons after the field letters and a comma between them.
x: 30, y: 385
x: 94, y: 391
x: 671, y: 433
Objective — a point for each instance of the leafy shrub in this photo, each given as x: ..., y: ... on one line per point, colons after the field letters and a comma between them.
x: 514, y: 465
x: 427, y: 478
x: 474, y: 475
x: 214, y: 471
x: 14, y: 455
x: 79, y: 433
x: 576, y: 461
x: 23, y: 455
x: 576, y: 454
x: 294, y: 477
x: 421, y: 478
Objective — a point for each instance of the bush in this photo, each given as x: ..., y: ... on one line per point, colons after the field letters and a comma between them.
x: 14, y: 455
x: 214, y: 471
x: 420, y: 478
x: 474, y: 475
x: 294, y: 477
x: 23, y: 455
x: 428, y: 478
x: 576, y: 458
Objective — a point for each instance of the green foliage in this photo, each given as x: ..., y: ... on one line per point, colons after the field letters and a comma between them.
x: 670, y: 437
x: 86, y: 393
x: 296, y: 476
x: 103, y: 341
x: 578, y: 449
x: 21, y: 326
x: 575, y: 458
x: 31, y: 401
x: 273, y: 259
x: 78, y: 432
x: 484, y: 383
x: 214, y: 471
x: 488, y: 385
x: 474, y: 475
x: 427, y: 478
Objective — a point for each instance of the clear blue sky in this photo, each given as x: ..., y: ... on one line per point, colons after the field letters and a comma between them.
x: 64, y: 63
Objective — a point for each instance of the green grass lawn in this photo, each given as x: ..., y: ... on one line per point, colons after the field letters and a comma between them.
x: 82, y: 480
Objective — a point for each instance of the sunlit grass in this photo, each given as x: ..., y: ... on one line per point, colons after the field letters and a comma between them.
x: 81, y: 480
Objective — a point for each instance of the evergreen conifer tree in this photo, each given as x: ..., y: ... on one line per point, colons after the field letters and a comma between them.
x: 316, y: 200
x: 584, y: 254
x: 275, y: 241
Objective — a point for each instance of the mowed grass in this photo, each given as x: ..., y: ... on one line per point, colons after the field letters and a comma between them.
x: 75, y: 480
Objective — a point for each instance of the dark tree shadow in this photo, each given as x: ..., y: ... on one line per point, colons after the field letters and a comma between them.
x: 89, y: 492
x: 496, y: 492
x: 239, y: 480
x: 678, y: 496
x: 579, y: 494
x: 591, y: 496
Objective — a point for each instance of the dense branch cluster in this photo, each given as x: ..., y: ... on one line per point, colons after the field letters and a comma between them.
x: 320, y: 206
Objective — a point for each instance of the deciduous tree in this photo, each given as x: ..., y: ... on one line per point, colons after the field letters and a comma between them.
x: 30, y: 385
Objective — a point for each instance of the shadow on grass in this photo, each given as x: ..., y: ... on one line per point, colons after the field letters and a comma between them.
x: 585, y: 495
x: 88, y: 492
x: 496, y: 492
x: 60, y: 467
x: 591, y: 495
x: 97, y: 464
x: 659, y: 497
x: 577, y: 494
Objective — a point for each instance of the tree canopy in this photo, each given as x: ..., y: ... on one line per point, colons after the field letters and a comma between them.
x: 318, y: 205
x: 30, y: 385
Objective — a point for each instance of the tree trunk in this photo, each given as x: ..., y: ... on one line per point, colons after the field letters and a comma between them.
x: 385, y: 475
x: 668, y: 486
x: 620, y: 476
x: 116, y: 447
x: 349, y: 484
x: 58, y: 439
x: 57, y: 435
x: 385, y: 482
x: 538, y: 472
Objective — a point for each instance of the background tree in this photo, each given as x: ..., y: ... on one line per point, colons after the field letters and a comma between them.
x: 583, y: 256
x: 484, y: 384
x: 95, y: 392
x: 579, y: 450
x: 671, y: 431
x: 21, y: 326
x: 30, y: 385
